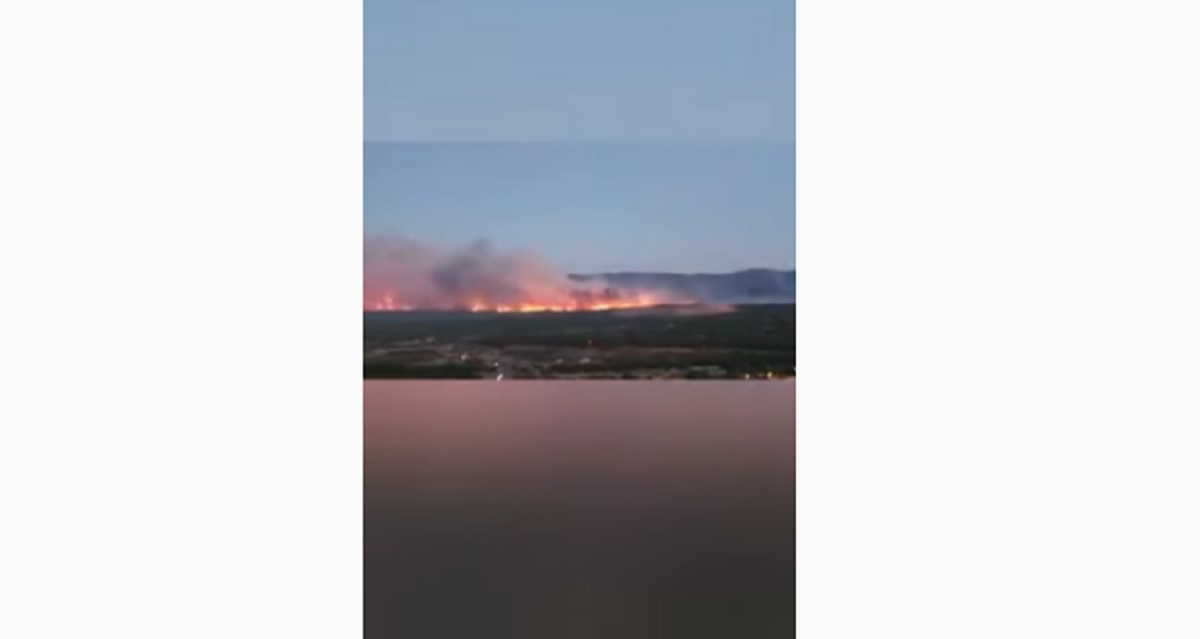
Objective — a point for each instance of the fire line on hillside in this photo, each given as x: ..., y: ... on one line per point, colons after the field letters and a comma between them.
x: 579, y: 302
x: 404, y: 275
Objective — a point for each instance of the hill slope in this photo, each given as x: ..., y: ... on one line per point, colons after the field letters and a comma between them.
x: 743, y: 287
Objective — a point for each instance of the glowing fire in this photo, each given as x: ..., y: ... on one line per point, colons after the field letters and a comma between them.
x: 400, y: 275
x: 580, y: 302
x: 389, y: 302
x: 572, y: 307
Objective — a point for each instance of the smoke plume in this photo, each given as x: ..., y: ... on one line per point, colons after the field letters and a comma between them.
x: 400, y: 273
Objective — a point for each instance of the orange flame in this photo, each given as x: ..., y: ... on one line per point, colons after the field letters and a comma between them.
x: 389, y: 302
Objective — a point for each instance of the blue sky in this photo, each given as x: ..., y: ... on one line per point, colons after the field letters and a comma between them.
x: 524, y: 70
x: 680, y: 207
x: 606, y: 135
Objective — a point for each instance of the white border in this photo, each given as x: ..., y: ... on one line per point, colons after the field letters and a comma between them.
x: 996, y: 241
x: 181, y: 245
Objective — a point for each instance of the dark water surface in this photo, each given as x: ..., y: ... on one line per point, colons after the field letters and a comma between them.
x: 572, y: 510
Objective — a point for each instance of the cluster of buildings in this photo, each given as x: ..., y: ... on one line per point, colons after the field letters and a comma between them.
x: 483, y: 362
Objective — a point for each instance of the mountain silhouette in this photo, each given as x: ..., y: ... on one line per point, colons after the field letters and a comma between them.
x: 752, y: 286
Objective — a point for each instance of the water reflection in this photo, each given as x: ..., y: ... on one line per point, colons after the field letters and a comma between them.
x: 575, y: 510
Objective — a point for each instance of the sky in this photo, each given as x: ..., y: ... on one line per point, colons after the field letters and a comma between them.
x: 633, y: 70
x: 605, y: 135
x: 592, y: 207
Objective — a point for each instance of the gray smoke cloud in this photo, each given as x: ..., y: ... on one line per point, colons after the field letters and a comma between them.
x: 408, y: 273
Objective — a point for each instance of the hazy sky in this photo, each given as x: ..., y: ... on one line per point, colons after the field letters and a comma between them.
x: 574, y: 69
x: 682, y: 207
x: 693, y: 103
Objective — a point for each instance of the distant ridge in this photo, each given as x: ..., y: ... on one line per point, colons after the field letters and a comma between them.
x: 750, y: 286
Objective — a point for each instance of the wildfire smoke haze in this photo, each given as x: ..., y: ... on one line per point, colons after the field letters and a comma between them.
x: 403, y: 275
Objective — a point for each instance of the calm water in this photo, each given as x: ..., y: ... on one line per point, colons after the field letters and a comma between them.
x: 571, y: 510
